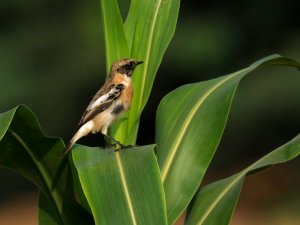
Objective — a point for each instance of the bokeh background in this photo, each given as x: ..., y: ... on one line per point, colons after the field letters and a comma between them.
x: 52, y: 59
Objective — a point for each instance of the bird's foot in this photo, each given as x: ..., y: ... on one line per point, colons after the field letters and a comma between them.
x: 121, y: 146
x: 118, y: 147
x: 128, y: 146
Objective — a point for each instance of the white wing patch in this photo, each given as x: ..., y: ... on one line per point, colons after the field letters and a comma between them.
x: 101, y: 99
x: 104, y: 97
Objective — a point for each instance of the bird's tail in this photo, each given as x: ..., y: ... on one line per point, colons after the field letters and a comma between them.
x: 83, y: 131
x: 72, y: 142
x: 75, y: 138
x: 68, y: 147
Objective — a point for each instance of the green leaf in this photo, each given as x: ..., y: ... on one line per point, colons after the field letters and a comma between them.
x: 214, y: 204
x: 27, y: 151
x: 115, y: 40
x: 116, y: 48
x: 121, y: 187
x: 149, y: 28
x: 190, y: 122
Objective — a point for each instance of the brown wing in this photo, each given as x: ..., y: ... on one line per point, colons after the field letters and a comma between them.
x: 101, y: 101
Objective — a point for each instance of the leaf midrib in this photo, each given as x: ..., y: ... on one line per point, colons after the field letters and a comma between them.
x: 125, y: 188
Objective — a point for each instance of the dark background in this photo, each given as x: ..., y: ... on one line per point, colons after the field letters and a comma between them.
x: 52, y: 59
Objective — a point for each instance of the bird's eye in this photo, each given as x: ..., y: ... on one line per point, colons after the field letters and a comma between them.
x: 130, y: 65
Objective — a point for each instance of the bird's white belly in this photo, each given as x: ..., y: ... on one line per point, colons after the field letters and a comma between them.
x: 104, y: 119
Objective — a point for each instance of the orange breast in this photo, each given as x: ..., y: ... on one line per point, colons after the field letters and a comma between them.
x: 127, y: 94
x: 126, y: 97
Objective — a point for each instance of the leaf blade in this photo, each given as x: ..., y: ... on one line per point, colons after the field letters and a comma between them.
x: 26, y: 150
x: 211, y: 201
x: 190, y: 122
x: 116, y: 48
x: 124, y: 180
x: 115, y: 40
x: 149, y: 28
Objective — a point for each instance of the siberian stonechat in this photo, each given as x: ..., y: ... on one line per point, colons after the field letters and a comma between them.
x: 113, y: 99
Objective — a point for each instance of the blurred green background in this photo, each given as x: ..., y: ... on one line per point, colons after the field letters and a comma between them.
x: 52, y: 58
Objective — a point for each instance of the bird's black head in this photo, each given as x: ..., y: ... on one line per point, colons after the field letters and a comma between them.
x: 125, y: 66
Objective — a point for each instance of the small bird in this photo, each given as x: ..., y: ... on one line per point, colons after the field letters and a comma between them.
x: 113, y: 99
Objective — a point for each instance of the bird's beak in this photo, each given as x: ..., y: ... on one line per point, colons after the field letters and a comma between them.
x: 139, y: 62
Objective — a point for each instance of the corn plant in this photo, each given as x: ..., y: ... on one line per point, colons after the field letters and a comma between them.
x: 151, y: 184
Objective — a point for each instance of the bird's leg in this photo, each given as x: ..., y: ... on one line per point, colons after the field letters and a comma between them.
x: 113, y: 142
x: 108, y: 139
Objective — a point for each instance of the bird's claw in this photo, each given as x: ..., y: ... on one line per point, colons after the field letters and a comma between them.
x: 117, y: 146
